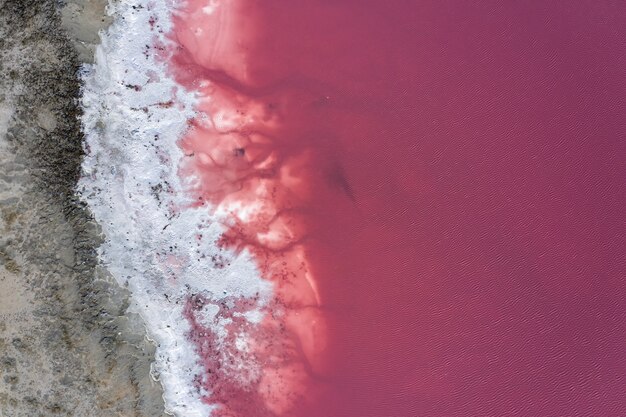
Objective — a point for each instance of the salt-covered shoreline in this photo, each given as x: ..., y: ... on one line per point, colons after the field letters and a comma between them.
x: 67, y: 344
x: 157, y: 245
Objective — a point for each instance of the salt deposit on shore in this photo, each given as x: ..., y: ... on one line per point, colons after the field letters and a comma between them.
x: 67, y: 345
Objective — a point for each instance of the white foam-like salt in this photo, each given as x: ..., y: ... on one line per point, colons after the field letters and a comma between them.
x: 154, y: 245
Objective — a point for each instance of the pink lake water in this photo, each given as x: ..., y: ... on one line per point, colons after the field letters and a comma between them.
x: 439, y: 193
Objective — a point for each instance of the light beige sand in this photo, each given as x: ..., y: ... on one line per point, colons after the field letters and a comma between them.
x: 14, y: 297
x: 84, y: 19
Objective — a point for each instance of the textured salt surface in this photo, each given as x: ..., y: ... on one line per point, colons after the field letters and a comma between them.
x: 158, y: 245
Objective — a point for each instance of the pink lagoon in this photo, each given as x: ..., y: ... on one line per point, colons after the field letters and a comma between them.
x: 372, y: 209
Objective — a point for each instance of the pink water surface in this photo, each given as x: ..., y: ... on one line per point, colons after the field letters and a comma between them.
x: 449, y: 178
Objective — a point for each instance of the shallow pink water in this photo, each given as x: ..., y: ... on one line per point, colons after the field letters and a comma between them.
x: 446, y: 185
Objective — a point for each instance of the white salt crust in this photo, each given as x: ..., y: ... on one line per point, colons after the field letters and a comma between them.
x: 157, y: 248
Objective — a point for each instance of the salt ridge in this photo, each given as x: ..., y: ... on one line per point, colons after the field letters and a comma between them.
x: 156, y: 243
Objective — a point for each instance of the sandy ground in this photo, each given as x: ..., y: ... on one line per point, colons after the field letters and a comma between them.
x: 83, y: 19
x: 67, y: 346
